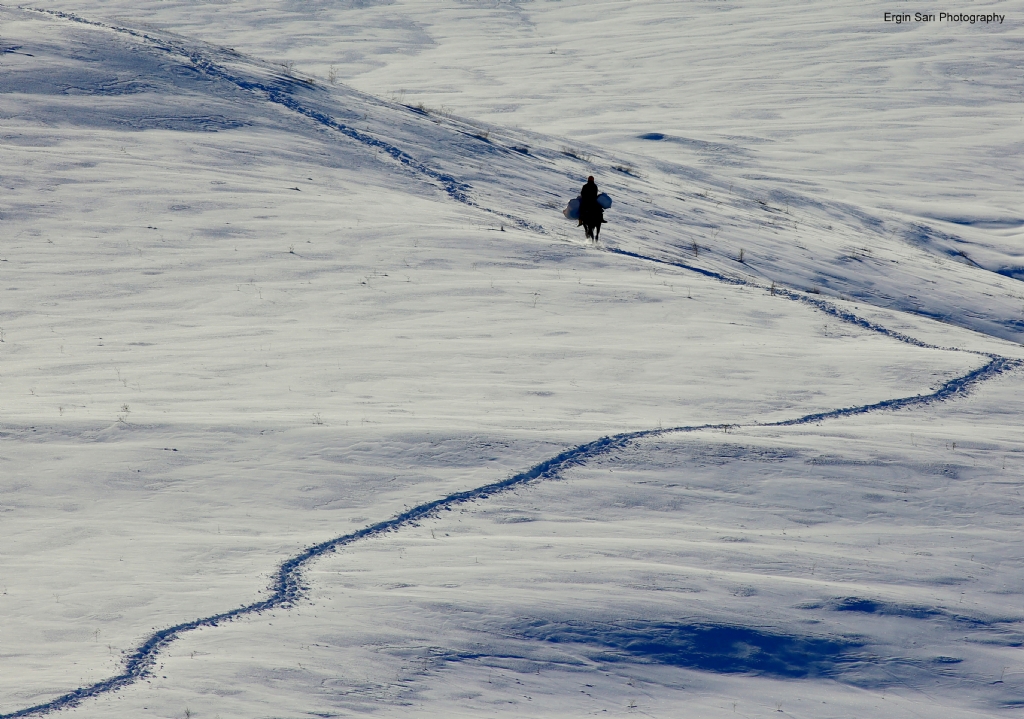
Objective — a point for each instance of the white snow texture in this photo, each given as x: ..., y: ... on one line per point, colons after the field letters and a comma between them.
x: 313, y: 403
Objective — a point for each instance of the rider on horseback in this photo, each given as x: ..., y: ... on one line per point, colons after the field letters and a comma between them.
x: 591, y: 213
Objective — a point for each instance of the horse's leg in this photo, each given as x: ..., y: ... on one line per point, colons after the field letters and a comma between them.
x: 597, y: 232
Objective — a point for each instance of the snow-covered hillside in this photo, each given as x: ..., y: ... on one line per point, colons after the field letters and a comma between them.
x: 295, y: 275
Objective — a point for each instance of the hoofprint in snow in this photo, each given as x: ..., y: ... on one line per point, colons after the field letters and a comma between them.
x: 217, y: 353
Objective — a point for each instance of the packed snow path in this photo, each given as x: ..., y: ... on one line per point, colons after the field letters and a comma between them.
x: 288, y: 585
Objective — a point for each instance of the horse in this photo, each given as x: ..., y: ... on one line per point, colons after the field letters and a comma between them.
x: 592, y: 218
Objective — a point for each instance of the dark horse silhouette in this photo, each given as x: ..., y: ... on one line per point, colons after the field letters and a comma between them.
x: 591, y: 213
x: 592, y: 221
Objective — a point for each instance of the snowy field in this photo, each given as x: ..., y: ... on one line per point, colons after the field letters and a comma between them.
x: 300, y: 361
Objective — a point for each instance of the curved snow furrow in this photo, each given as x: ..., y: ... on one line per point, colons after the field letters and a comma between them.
x: 287, y: 586
x: 956, y: 387
x: 822, y: 305
x: 683, y: 266
x: 280, y: 93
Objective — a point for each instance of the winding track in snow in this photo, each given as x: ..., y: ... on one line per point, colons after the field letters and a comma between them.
x: 279, y: 94
x: 818, y: 304
x: 287, y: 586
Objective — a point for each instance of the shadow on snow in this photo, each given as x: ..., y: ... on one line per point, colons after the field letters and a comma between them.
x: 719, y: 648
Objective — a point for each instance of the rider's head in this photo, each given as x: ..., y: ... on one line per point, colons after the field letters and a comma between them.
x: 590, y: 179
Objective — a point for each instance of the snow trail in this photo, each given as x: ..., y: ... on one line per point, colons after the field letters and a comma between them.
x: 280, y: 93
x: 288, y: 587
x: 826, y: 307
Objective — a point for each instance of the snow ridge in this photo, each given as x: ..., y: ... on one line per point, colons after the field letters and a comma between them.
x: 279, y: 92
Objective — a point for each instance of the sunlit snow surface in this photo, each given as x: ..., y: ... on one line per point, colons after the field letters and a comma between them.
x: 247, y: 310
